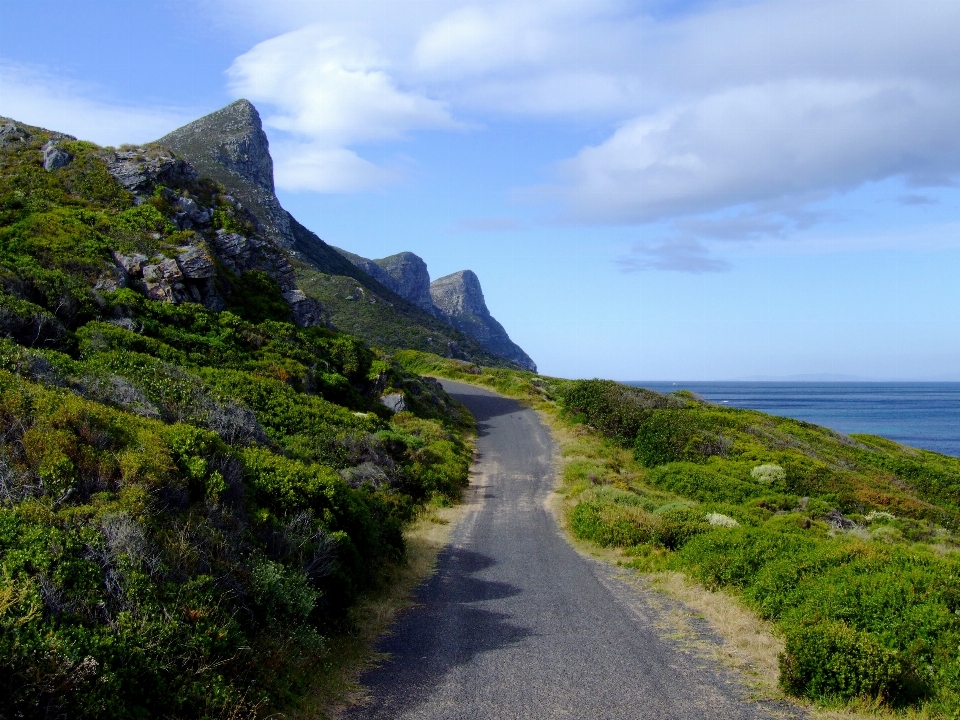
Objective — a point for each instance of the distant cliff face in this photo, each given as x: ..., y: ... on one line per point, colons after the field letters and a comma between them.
x: 411, y: 278
x: 371, y: 268
x: 404, y: 273
x: 459, y: 299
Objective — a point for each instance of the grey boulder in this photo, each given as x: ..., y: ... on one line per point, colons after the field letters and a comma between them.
x: 196, y: 264
x: 54, y: 157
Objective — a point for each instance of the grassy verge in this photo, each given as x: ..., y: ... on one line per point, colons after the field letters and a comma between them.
x: 828, y: 564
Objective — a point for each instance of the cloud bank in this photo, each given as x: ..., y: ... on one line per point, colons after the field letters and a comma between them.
x: 731, y: 105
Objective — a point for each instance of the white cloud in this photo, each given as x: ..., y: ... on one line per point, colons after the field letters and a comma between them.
x: 323, y: 169
x: 331, y: 92
x: 332, y: 89
x: 768, y: 105
x: 765, y: 102
x: 473, y: 40
x: 34, y: 97
x: 754, y: 143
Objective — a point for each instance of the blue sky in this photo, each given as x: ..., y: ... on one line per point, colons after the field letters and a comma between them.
x: 647, y: 190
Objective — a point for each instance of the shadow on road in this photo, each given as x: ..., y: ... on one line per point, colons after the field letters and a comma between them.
x: 486, y: 408
x: 441, y: 632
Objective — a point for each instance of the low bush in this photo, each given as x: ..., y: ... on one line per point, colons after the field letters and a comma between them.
x: 618, y: 411
x: 831, y: 660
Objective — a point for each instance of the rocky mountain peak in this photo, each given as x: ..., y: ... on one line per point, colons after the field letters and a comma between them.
x: 459, y: 294
x: 459, y: 299
x: 230, y: 146
x: 411, y: 278
x: 232, y: 136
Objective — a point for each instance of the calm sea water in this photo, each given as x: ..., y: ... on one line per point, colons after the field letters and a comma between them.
x: 923, y: 415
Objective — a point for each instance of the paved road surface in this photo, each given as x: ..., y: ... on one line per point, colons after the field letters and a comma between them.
x: 516, y: 624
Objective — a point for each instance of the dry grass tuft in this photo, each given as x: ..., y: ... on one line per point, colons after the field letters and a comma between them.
x: 750, y: 644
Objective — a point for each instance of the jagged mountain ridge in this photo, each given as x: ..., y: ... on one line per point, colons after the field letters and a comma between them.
x: 457, y: 298
x: 230, y: 147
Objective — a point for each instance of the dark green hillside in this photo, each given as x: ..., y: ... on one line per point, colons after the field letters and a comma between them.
x: 194, y: 490
x: 385, y: 320
x: 849, y: 544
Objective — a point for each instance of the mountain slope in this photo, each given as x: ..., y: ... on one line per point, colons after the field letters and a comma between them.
x: 194, y: 488
x: 230, y: 147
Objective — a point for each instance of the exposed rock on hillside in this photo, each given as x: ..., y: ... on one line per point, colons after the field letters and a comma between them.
x: 460, y: 300
x: 141, y: 169
x: 54, y: 157
x: 190, y: 276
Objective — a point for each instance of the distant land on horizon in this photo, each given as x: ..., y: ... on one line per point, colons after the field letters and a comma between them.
x: 802, y: 378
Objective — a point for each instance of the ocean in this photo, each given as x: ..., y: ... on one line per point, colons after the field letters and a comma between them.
x: 923, y: 415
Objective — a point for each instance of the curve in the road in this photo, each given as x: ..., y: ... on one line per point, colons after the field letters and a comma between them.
x: 516, y: 624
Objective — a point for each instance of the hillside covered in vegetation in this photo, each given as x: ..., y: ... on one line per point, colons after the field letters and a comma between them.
x: 849, y: 544
x: 198, y: 477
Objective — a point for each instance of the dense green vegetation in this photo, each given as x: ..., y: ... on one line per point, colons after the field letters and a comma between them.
x: 190, y: 501
x: 849, y: 544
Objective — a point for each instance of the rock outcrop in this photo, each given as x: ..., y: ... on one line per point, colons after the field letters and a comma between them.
x: 460, y: 301
x: 230, y: 146
x: 54, y: 156
x: 190, y: 275
x: 141, y: 169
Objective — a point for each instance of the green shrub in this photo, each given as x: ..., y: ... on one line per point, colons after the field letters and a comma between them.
x: 830, y: 660
x: 613, y: 525
x: 618, y: 411
x: 282, y: 595
x: 256, y: 297
x: 667, y: 436
x: 627, y: 525
x: 705, y: 483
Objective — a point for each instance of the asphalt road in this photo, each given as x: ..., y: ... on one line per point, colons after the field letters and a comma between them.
x: 516, y: 624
